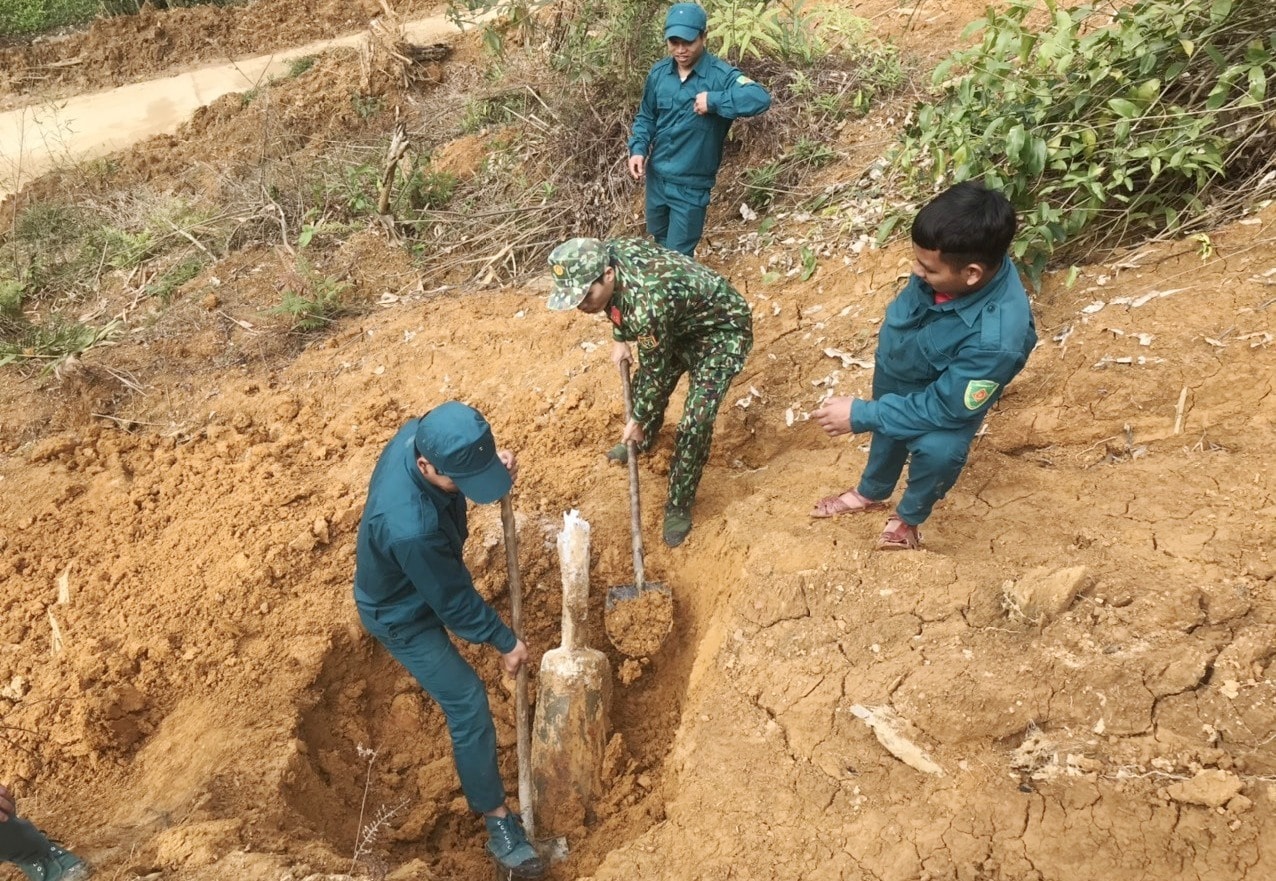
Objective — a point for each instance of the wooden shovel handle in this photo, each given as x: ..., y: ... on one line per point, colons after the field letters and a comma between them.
x: 522, y: 719
x: 635, y: 505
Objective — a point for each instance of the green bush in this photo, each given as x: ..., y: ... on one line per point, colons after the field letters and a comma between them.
x: 314, y: 300
x: 25, y: 17
x: 1101, y: 126
x: 21, y: 17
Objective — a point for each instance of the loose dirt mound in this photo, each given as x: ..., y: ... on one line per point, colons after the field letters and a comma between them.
x: 1084, y: 649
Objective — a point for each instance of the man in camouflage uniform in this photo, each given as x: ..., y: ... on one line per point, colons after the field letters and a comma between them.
x: 686, y: 319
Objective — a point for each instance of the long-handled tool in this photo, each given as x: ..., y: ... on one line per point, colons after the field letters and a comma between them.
x: 522, y: 724
x: 640, y: 615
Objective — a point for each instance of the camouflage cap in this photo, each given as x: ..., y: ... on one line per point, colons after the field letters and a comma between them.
x: 576, y: 264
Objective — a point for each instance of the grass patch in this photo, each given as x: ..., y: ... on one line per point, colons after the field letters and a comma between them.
x: 313, y: 300
x: 167, y: 284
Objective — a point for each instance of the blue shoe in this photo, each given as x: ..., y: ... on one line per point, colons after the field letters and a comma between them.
x: 508, y: 846
x: 55, y: 864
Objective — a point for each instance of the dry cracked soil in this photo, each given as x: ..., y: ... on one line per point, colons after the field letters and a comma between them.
x: 1073, y: 680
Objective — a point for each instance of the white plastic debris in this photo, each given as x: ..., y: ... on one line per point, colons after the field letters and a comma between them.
x: 887, y: 727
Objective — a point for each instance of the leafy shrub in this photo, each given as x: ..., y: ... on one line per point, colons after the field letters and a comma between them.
x: 24, y: 17
x: 1100, y: 130
x: 313, y: 300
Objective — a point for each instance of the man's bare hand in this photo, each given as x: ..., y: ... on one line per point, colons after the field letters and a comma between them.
x: 637, y: 167
x: 834, y: 416
x: 633, y: 432
x: 515, y: 658
x: 7, y: 809
x: 702, y: 103
x: 510, y: 461
x: 620, y: 352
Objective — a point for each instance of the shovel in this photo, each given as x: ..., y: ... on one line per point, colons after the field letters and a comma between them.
x: 638, y: 616
x: 522, y: 722
x: 555, y: 849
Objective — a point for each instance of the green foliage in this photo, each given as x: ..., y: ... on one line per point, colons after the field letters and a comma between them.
x: 1102, y: 129
x: 19, y: 17
x: 167, y: 284
x: 12, y: 294
x: 25, y: 17
x: 764, y: 182
x: 298, y: 66
x: 741, y: 28
x: 611, y: 44
x: 499, y: 109
x: 507, y: 17
x: 53, y: 341
x: 367, y: 106
x: 427, y: 190
x: 794, y: 31
x: 313, y: 301
x: 809, y: 263
x: 50, y: 247
x: 761, y: 184
x: 122, y: 249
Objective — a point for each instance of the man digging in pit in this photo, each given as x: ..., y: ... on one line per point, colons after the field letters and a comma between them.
x: 411, y: 587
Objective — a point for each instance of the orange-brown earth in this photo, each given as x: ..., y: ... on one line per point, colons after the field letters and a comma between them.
x: 1081, y: 657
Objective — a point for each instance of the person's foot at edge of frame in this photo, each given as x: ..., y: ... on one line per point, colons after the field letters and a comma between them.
x: 509, y: 848
x: 676, y: 526
x: 56, y: 864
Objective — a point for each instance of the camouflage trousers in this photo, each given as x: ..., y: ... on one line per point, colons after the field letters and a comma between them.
x: 711, y: 371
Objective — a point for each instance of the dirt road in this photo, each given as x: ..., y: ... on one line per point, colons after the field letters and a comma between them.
x: 39, y: 137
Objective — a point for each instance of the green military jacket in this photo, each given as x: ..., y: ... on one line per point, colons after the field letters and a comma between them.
x: 668, y: 303
x: 677, y: 311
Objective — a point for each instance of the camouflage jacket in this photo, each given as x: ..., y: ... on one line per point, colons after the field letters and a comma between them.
x: 671, y: 305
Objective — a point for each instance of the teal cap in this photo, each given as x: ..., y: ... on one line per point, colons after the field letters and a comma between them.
x: 458, y: 442
x: 576, y: 264
x: 686, y: 21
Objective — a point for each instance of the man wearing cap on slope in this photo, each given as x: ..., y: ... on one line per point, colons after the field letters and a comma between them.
x: 686, y: 319
x: 411, y: 587
x: 688, y: 104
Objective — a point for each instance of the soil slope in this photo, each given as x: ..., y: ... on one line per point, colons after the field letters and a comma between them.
x: 1078, y: 667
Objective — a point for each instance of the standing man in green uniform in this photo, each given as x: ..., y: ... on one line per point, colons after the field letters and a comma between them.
x: 26, y: 847
x: 960, y: 330
x: 688, y: 104
x: 686, y: 319
x: 411, y: 587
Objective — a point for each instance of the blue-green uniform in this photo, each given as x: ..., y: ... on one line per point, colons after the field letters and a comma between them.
x: 684, y: 318
x: 683, y: 148
x: 26, y: 847
x: 410, y: 583
x: 937, y: 371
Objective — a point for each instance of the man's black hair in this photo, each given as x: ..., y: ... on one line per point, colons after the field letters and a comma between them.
x: 966, y: 223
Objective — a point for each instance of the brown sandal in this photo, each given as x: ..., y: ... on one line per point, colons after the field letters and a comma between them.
x: 898, y: 536
x: 849, y: 502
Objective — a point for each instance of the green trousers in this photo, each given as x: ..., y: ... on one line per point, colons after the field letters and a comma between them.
x: 711, y: 372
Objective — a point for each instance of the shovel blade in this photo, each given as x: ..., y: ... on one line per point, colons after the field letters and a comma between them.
x: 638, y: 619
